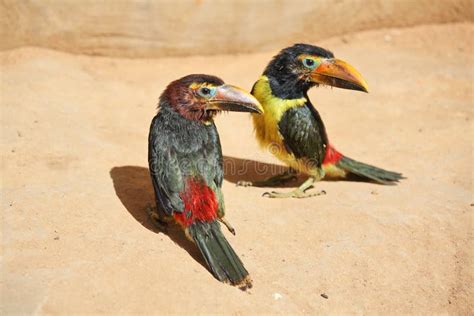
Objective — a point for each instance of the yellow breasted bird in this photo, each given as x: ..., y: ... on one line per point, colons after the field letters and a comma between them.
x: 292, y: 129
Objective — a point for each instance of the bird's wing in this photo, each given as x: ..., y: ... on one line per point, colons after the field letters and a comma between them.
x: 165, y: 170
x: 219, y: 176
x: 217, y: 162
x: 302, y: 135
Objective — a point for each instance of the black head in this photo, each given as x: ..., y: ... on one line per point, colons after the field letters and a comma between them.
x: 299, y: 67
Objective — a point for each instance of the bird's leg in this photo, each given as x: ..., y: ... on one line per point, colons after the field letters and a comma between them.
x: 272, y: 181
x: 299, y: 192
x: 227, y: 224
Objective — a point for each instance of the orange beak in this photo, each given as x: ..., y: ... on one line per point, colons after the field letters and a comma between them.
x: 337, y: 73
x: 232, y: 98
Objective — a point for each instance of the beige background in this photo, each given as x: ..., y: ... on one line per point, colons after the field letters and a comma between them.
x: 75, y: 237
x: 140, y: 28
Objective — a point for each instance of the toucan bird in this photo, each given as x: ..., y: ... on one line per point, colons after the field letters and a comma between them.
x: 292, y: 129
x: 185, y: 161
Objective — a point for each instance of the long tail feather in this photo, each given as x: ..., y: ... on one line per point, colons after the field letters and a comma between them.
x: 222, y: 260
x: 371, y: 172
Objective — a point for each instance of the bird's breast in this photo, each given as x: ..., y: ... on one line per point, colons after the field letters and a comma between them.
x: 266, y: 125
x: 267, y: 129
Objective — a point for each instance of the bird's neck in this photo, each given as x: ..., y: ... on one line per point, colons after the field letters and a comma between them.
x: 263, y: 91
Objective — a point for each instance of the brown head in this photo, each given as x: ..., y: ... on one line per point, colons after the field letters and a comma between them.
x: 200, y: 97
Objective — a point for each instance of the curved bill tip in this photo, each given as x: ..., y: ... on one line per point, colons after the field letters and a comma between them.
x: 337, y: 73
x: 232, y: 98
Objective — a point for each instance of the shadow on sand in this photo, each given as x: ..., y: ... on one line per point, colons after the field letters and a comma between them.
x: 134, y: 189
x: 238, y: 169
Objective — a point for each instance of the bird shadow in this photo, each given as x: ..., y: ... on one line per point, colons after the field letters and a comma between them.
x: 133, y: 187
x: 238, y: 169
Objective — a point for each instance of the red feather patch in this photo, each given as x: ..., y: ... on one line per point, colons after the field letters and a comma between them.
x: 332, y: 155
x: 199, y: 203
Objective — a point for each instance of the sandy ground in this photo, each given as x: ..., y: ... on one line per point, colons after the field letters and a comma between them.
x: 151, y: 29
x: 76, y: 238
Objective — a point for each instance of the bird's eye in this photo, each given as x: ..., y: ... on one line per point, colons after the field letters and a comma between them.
x: 207, y: 92
x: 309, y: 63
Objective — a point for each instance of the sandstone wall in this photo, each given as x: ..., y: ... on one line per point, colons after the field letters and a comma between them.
x: 141, y: 28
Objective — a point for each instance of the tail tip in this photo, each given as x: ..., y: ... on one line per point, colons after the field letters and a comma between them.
x: 244, y: 284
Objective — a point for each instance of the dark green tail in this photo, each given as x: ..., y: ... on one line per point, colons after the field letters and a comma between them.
x: 221, y: 259
x: 368, y: 171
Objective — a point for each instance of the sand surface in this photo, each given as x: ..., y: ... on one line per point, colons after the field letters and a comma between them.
x: 76, y: 238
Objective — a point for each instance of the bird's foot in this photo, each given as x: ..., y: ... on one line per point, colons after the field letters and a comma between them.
x: 156, y: 219
x: 296, y: 193
x: 228, y: 225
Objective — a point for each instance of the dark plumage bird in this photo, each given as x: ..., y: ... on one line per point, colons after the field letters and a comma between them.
x: 292, y: 128
x: 185, y: 161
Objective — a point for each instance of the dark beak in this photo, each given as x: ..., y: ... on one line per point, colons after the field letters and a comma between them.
x: 231, y: 98
x: 337, y: 73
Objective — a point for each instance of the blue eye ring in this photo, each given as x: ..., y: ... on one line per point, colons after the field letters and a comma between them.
x: 207, y: 92
x: 310, y: 63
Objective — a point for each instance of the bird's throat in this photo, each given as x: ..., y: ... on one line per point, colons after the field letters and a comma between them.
x: 273, y: 105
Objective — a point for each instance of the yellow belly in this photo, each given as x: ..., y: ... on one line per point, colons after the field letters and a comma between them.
x: 333, y: 172
x: 266, y: 126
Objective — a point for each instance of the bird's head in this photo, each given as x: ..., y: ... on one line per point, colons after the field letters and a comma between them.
x: 201, y: 97
x: 301, y: 66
